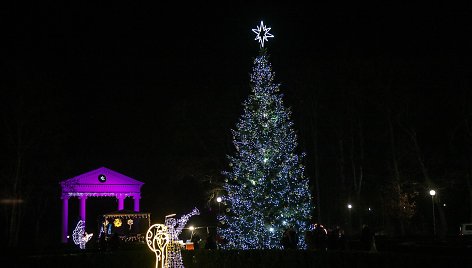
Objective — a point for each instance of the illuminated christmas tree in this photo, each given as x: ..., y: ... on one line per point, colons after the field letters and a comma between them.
x: 266, y: 190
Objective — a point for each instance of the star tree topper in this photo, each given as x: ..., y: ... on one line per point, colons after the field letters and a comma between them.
x: 262, y: 33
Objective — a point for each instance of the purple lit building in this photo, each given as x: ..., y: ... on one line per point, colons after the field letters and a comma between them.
x: 101, y: 182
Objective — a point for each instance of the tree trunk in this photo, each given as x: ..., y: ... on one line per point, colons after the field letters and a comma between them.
x: 469, y: 186
x: 14, y: 221
x: 361, y: 156
x: 314, y: 126
x: 357, y: 167
x: 341, y: 164
x: 468, y: 130
x: 396, y: 171
x: 343, y: 189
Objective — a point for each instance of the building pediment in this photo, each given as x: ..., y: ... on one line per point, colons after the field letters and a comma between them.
x: 100, y: 181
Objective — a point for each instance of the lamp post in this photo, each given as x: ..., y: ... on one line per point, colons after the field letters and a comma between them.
x: 191, y: 228
x: 218, y: 199
x: 433, y: 193
x: 349, y: 208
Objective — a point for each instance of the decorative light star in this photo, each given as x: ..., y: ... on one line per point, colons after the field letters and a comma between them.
x: 262, y: 33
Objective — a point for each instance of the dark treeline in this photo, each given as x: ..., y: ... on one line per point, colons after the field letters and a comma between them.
x: 380, y: 135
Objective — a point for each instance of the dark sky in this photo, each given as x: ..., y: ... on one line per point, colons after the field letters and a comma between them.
x: 149, y: 91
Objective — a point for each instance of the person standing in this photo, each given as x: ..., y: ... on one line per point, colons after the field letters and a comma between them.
x: 196, y: 241
x: 310, y: 239
x: 366, y: 237
x: 210, y: 242
x: 289, y: 238
x: 293, y: 238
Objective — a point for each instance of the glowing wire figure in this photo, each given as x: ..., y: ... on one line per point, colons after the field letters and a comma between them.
x: 157, y: 239
x: 79, y: 235
x: 175, y: 227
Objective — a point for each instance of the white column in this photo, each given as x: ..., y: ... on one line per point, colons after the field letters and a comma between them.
x: 83, y: 213
x: 136, y: 202
x: 121, y: 202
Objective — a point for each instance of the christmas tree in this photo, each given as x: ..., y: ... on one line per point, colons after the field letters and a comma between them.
x: 266, y: 190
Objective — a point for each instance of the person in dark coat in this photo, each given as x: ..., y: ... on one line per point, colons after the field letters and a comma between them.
x: 342, y: 240
x: 210, y: 242
x: 290, y: 238
x: 285, y: 239
x: 293, y: 237
x: 114, y: 242
x: 321, y: 237
x: 310, y: 240
x: 367, y: 237
x: 333, y: 238
x: 196, y: 241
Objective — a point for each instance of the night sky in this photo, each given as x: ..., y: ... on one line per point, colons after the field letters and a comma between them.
x: 153, y: 91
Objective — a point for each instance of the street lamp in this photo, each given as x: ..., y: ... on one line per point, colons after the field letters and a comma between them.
x: 433, y: 193
x: 191, y: 228
x: 218, y: 199
x: 349, y: 207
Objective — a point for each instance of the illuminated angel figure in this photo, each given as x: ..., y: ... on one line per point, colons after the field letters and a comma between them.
x: 79, y: 235
x: 157, y: 239
x: 175, y: 227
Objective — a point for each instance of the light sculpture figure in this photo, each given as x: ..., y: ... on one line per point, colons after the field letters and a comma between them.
x: 157, y: 238
x: 262, y: 33
x: 175, y: 227
x: 79, y: 235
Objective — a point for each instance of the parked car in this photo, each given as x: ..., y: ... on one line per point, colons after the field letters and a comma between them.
x: 466, y: 229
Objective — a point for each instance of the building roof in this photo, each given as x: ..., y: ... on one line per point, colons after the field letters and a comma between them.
x: 101, y: 182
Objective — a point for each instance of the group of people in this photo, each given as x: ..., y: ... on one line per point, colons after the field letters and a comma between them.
x: 107, y: 241
x: 320, y: 238
x: 208, y: 243
x: 290, y: 238
x: 317, y: 238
